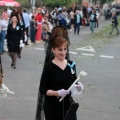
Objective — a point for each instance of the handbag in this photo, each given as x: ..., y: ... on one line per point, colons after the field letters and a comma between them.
x: 67, y: 20
x: 71, y: 113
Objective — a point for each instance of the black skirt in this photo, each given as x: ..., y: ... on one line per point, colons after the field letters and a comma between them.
x: 14, y: 47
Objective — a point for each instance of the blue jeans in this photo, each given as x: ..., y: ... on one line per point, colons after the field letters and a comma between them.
x: 2, y: 38
x: 92, y: 26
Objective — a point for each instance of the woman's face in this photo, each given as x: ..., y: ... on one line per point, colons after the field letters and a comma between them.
x: 60, y: 52
x: 14, y: 19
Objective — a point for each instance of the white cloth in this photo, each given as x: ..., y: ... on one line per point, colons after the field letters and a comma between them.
x: 25, y: 38
x: 3, y: 25
x: 21, y: 44
x: 59, y: 8
x: 9, y: 12
x: 4, y: 88
x: 30, y: 16
x: 77, y: 89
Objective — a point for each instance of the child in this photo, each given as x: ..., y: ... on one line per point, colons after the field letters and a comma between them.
x: 45, y: 35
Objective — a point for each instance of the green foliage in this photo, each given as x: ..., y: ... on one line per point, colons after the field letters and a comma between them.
x: 24, y: 3
x: 102, y: 1
x: 53, y: 3
x: 103, y: 36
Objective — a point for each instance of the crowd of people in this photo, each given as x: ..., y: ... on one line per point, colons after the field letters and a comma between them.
x: 17, y: 25
x: 109, y: 9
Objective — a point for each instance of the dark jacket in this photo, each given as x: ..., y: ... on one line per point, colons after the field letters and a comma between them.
x: 75, y: 19
x: 115, y: 21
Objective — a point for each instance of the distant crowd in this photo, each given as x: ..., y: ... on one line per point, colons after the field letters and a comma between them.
x: 38, y: 24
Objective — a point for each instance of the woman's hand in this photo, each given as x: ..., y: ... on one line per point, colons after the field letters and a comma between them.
x: 79, y: 86
x: 62, y: 92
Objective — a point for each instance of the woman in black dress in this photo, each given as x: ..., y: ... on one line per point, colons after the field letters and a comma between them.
x: 13, y: 39
x: 23, y: 31
x: 55, y: 80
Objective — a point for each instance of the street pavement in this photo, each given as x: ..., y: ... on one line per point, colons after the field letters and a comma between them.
x: 100, y: 99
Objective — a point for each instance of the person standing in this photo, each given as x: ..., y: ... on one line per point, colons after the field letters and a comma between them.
x: 27, y: 23
x: 3, y: 29
x: 53, y: 15
x: 114, y: 21
x: 77, y: 22
x: 13, y: 39
x: 33, y: 28
x: 5, y: 14
x: 56, y: 79
x: 39, y: 20
x: 93, y: 19
x: 72, y: 19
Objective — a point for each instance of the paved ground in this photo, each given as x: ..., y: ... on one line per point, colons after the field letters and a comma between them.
x: 101, y: 97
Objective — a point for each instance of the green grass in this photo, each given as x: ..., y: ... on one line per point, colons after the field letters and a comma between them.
x: 103, y: 35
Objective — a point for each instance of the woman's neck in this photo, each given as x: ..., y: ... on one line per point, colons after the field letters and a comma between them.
x: 59, y: 60
x: 14, y: 23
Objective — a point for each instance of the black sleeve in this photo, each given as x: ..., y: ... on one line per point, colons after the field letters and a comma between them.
x: 20, y: 35
x: 45, y: 78
x: 23, y: 24
x: 8, y: 33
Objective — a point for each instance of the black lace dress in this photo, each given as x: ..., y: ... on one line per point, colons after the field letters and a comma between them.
x: 54, y: 78
x: 13, y: 38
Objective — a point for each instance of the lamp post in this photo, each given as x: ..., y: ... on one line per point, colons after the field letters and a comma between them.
x: 33, y: 4
x: 90, y: 2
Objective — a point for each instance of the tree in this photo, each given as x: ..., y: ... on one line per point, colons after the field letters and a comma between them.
x: 102, y: 1
x: 53, y: 3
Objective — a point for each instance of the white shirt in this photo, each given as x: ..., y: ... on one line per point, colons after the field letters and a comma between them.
x: 3, y: 25
x: 9, y: 12
x: 31, y: 14
x: 26, y: 20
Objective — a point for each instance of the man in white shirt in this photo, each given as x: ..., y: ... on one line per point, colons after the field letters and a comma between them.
x: 53, y: 15
x: 3, y: 29
x: 27, y: 23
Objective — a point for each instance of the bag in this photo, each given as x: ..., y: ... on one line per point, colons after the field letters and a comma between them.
x: 63, y: 21
x: 71, y: 114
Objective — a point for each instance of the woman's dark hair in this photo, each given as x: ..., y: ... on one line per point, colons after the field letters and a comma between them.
x: 24, y: 10
x: 58, y: 42
x: 32, y: 17
x: 16, y: 17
